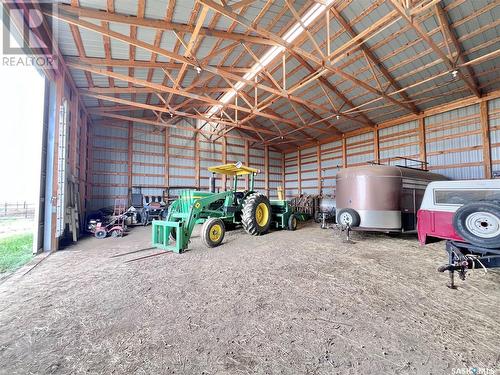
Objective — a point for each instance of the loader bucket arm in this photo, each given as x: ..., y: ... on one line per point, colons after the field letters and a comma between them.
x: 184, y: 213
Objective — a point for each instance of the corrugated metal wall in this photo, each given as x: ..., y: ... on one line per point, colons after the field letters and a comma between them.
x: 309, y: 170
x: 147, y: 161
x: 359, y: 149
x: 494, y: 121
x: 454, y: 143
x: 291, y: 171
x: 275, y: 173
x: 109, y: 165
x: 331, y: 162
x: 454, y: 148
x: 399, y: 141
x: 256, y: 160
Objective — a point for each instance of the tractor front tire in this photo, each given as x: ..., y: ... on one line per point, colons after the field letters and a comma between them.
x: 212, y: 232
x: 292, y: 222
x: 256, y: 214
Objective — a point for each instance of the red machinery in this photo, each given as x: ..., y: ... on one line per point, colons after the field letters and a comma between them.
x: 464, y: 211
x: 467, y: 215
x: 115, y: 225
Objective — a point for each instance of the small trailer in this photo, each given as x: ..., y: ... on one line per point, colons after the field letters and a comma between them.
x: 467, y: 215
x: 381, y: 197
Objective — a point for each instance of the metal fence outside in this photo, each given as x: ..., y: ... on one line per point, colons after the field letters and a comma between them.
x: 21, y: 209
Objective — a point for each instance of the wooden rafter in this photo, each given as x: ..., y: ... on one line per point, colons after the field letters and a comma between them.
x: 448, y: 33
x: 422, y: 34
x: 159, y: 24
x: 370, y: 55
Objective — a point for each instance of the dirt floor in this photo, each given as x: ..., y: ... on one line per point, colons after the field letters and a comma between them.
x: 298, y: 302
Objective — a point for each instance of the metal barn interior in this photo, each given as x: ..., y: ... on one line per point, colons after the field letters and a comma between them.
x: 150, y: 93
x: 146, y: 95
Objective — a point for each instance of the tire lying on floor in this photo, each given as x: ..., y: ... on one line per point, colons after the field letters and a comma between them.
x: 479, y: 223
x: 256, y: 214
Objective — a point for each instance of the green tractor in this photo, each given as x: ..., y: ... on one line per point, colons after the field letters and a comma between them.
x: 218, y: 211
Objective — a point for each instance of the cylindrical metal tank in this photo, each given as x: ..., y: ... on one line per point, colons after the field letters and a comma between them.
x: 381, y: 197
x: 327, y: 205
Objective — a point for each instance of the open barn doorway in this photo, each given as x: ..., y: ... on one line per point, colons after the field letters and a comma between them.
x: 22, y: 103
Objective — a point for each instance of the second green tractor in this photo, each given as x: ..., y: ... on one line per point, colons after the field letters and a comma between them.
x: 218, y: 211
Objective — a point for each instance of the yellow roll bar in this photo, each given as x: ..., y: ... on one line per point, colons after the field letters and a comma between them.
x: 233, y: 169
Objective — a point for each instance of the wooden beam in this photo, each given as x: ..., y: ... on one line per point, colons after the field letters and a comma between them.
x: 370, y: 55
x: 283, y: 178
x: 376, y: 146
x: 318, y: 167
x: 422, y: 34
x: 266, y: 169
x: 344, y: 152
x: 96, y: 61
x: 448, y: 33
x: 197, y: 160
x: 224, y: 161
x: 167, y: 158
x: 485, y: 133
x: 324, y: 63
x: 366, y: 121
x: 247, y: 163
x: 421, y: 139
x: 180, y: 92
x: 130, y: 159
x: 159, y: 24
x: 299, y: 173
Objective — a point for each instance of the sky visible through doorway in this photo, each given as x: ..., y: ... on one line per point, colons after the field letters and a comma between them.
x: 21, y: 121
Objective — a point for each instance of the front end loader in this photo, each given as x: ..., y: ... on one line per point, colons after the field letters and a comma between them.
x: 217, y: 211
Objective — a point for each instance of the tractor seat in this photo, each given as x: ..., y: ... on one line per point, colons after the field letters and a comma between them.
x: 238, y: 197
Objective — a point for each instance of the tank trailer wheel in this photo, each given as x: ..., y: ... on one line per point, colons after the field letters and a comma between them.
x: 479, y: 223
x: 292, y: 222
x: 349, y: 217
x: 256, y: 214
x: 212, y: 232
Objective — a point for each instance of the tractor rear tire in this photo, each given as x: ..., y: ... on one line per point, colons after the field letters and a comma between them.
x: 212, y: 232
x: 256, y: 214
x: 479, y: 223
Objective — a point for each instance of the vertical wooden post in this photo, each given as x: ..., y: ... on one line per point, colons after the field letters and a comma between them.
x: 344, y: 152
x: 247, y: 163
x: 485, y: 132
x: 266, y: 169
x: 83, y: 162
x: 318, y: 164
x: 376, y: 146
x: 283, y: 179
x: 421, y: 139
x: 75, y: 117
x: 299, y: 173
x: 224, y: 161
x: 197, y: 160
x: 89, y: 163
x: 130, y: 154
x: 54, y: 240
x: 167, y: 159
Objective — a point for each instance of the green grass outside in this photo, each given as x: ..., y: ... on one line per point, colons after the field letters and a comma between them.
x: 15, y: 251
